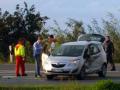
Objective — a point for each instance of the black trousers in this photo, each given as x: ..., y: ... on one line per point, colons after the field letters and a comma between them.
x: 110, y: 60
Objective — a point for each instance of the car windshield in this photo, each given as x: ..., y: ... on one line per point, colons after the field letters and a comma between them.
x: 68, y: 50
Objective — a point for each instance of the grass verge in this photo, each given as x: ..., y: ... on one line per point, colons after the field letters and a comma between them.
x: 101, y: 85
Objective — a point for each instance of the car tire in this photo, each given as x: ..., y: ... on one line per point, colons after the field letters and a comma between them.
x: 103, y: 71
x: 82, y: 74
x: 49, y: 77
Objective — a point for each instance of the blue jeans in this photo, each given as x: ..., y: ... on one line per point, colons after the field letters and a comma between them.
x: 37, y: 64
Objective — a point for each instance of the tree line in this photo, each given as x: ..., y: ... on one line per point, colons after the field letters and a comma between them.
x: 26, y: 22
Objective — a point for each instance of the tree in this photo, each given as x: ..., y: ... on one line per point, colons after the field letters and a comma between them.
x: 76, y: 28
x: 95, y: 28
x: 24, y: 22
x: 71, y: 33
x: 58, y: 32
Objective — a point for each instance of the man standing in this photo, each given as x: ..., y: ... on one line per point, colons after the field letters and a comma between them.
x: 20, y: 57
x: 37, y: 50
x: 51, y: 41
x: 109, y: 49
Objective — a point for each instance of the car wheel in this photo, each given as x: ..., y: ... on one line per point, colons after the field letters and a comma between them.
x: 103, y: 71
x: 49, y: 77
x: 82, y: 74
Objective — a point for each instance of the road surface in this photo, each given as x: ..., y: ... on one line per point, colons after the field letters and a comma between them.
x: 7, y: 73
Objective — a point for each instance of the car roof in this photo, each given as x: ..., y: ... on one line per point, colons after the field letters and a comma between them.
x: 81, y: 43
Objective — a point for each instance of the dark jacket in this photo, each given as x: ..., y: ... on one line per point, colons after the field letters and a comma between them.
x: 109, y: 47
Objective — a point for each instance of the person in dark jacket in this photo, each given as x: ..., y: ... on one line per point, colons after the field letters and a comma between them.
x: 109, y: 49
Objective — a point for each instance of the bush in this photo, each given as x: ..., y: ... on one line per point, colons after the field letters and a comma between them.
x: 102, y: 85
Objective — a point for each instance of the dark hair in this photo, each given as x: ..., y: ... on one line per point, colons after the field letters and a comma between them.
x: 45, y: 48
x: 108, y: 36
x: 40, y: 37
x: 21, y: 39
x: 51, y: 36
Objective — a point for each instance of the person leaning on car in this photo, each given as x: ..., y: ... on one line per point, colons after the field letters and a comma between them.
x: 109, y: 49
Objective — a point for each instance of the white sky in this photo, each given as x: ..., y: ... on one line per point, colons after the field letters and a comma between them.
x: 61, y: 10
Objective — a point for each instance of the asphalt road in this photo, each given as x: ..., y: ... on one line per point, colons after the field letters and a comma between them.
x: 7, y: 76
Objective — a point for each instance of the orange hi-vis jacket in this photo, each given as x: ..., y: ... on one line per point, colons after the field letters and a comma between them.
x: 19, y: 50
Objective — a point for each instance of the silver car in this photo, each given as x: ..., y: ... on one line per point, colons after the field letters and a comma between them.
x: 77, y: 59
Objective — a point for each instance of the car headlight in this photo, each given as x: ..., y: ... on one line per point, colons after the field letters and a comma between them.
x: 47, y: 64
x: 73, y: 62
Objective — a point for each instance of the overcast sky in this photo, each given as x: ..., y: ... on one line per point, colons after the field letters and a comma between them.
x: 61, y: 10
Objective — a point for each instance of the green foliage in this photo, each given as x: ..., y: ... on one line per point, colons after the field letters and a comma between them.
x: 76, y: 29
x: 95, y: 28
x: 29, y: 52
x: 1, y: 58
x: 102, y: 85
x: 73, y: 29
x: 59, y: 33
x: 24, y: 22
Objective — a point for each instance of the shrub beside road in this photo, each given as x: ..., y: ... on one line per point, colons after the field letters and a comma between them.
x: 101, y: 85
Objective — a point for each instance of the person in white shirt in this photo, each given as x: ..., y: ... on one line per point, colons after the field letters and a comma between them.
x: 44, y: 54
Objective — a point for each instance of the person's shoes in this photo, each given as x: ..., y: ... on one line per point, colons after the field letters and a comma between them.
x: 25, y: 74
x: 113, y: 69
x: 18, y: 75
x: 37, y: 76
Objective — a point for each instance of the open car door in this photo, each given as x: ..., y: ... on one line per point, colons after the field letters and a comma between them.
x: 91, y: 37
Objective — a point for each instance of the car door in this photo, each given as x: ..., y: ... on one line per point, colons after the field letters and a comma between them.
x: 93, y: 62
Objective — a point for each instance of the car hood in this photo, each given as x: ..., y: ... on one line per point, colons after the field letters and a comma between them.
x: 63, y: 59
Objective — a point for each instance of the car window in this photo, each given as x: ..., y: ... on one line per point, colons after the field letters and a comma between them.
x: 69, y: 50
x: 94, y: 49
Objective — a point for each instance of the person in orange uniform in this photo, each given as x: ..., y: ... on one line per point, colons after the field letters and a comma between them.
x: 20, y: 58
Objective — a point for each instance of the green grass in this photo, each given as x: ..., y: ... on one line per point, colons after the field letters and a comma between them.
x: 101, y: 85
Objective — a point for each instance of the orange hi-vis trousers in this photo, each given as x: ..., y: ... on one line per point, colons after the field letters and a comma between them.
x: 20, y: 64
